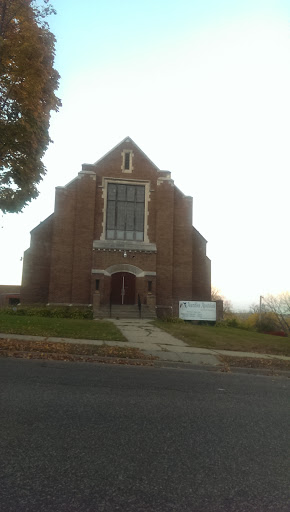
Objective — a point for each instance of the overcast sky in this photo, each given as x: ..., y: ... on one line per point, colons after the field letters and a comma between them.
x: 203, y: 88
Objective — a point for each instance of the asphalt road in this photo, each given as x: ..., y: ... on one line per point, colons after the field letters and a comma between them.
x: 87, y: 437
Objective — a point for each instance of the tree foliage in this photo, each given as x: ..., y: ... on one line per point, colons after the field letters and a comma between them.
x: 275, y: 311
x: 280, y: 306
x: 217, y: 295
x: 28, y: 82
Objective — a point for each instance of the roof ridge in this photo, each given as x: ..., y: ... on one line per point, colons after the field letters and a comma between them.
x: 126, y: 139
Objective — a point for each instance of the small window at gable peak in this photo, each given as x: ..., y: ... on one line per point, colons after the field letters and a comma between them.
x: 127, y: 160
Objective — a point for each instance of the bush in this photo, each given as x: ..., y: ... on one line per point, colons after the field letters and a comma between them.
x: 268, y: 322
x: 52, y: 312
x: 235, y: 322
x: 232, y: 322
x: 172, y: 319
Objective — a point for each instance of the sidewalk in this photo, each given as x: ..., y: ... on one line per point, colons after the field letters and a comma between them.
x: 153, y: 341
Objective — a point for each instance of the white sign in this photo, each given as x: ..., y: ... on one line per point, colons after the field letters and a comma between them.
x: 195, y: 310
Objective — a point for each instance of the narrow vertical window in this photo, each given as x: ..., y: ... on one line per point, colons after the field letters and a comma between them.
x: 127, y: 161
x: 97, y: 284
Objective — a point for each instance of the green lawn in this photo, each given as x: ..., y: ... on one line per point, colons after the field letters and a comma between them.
x: 226, y: 338
x: 60, y: 327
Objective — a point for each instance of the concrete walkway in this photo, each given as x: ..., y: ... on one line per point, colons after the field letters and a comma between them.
x: 151, y: 340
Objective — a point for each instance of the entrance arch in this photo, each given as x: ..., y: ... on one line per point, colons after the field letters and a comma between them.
x: 123, y: 285
x: 124, y: 267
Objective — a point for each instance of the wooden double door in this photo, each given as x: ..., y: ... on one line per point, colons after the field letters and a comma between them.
x: 123, y: 285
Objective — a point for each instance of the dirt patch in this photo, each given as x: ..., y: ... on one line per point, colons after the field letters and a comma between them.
x: 73, y: 352
x: 251, y: 362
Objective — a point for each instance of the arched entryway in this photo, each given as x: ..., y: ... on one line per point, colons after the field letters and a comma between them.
x: 123, y: 286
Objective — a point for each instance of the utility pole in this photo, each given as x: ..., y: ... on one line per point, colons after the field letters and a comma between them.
x: 260, y: 310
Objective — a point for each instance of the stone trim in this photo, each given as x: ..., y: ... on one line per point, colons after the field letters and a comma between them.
x: 92, y: 173
x: 123, y: 267
x: 124, y: 181
x: 74, y: 305
x: 131, y: 168
x: 165, y: 179
x: 123, y: 245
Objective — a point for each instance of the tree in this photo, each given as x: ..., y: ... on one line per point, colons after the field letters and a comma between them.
x: 216, y: 295
x: 280, y: 306
x: 27, y: 85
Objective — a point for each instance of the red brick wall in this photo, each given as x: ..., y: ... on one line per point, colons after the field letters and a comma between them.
x: 74, y: 220
x: 62, y: 250
x: 7, y: 292
x: 83, y: 239
x: 61, y: 256
x: 102, y: 260
x: 110, y: 167
x: 36, y: 265
x: 201, y: 270
x: 164, y: 242
x: 182, y: 275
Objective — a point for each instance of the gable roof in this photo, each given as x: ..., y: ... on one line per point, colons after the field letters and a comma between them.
x: 127, y: 139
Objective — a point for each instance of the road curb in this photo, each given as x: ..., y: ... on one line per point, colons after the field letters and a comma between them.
x: 174, y: 365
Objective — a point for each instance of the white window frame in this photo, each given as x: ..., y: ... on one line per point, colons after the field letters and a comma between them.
x: 131, y: 154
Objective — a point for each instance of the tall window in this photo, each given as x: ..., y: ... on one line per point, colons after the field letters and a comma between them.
x: 127, y: 161
x: 125, y: 212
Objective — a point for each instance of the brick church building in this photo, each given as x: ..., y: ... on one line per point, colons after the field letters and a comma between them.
x: 121, y: 234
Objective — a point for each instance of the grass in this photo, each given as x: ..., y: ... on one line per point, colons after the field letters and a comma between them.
x: 226, y: 338
x: 60, y: 327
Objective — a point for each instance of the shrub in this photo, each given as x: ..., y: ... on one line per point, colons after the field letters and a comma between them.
x: 235, y: 322
x: 52, y: 312
x: 172, y: 319
x: 232, y: 322
x: 268, y: 322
